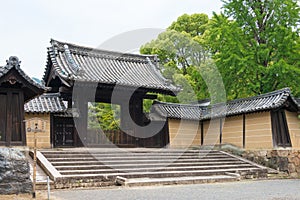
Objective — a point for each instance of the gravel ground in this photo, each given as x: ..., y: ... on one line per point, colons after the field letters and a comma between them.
x: 252, y: 190
x: 40, y: 195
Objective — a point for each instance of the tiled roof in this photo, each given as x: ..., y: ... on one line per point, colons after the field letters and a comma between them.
x: 178, y: 111
x: 46, y: 103
x: 14, y: 63
x: 263, y: 102
x: 70, y: 112
x: 76, y: 63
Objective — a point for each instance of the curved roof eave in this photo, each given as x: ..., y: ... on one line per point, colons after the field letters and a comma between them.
x: 77, y: 63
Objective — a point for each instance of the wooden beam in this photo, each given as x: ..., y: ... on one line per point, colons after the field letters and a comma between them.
x: 150, y: 96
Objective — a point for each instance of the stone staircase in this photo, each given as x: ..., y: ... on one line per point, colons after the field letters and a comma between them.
x: 71, y: 168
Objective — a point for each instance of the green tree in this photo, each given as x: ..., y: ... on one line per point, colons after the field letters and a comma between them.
x: 181, y: 52
x: 256, y: 43
x: 194, y: 25
x: 104, y: 116
x: 179, y: 55
x: 177, y: 51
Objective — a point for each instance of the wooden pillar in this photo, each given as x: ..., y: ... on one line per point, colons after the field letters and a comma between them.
x: 244, y: 131
x: 52, y: 130
x: 70, y: 103
x: 3, y: 118
x: 137, y: 115
x: 221, y: 130
x: 22, y: 116
x: 202, y: 132
x: 136, y: 109
x: 9, y: 119
x: 81, y: 122
x: 124, y: 123
x: 167, y: 133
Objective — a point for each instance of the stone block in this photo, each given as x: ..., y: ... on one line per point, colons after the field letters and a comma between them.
x: 14, y: 172
x: 296, y: 161
x: 294, y: 175
x: 262, y: 153
x: 274, y: 153
x: 291, y: 168
x: 283, y: 153
x: 269, y: 154
x: 295, y: 152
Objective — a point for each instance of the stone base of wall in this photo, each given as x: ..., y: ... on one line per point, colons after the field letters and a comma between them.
x: 14, y: 172
x: 282, y: 160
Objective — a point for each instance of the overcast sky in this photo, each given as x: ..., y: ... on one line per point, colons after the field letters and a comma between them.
x: 27, y: 26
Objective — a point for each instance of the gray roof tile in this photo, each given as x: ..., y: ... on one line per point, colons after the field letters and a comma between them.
x: 14, y: 63
x: 178, y: 111
x: 76, y: 63
x: 259, y: 103
x: 30, y: 88
x: 46, y: 103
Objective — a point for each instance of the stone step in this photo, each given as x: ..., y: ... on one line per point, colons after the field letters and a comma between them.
x: 131, y: 155
x: 116, y: 162
x: 162, y: 169
x: 101, y: 167
x: 133, y: 182
x: 110, y: 151
x: 161, y: 174
x: 136, y: 158
x: 71, y: 159
x: 87, y: 166
x: 127, y: 152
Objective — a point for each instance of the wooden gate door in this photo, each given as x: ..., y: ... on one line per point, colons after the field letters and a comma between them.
x: 63, y: 132
x: 12, y: 128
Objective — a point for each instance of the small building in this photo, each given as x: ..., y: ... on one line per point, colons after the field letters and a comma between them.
x: 43, y: 115
x: 16, y: 88
x: 262, y: 122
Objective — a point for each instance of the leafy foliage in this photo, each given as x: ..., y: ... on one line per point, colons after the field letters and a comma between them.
x: 104, y: 116
x: 194, y: 25
x: 177, y: 51
x: 182, y: 56
x: 257, y: 44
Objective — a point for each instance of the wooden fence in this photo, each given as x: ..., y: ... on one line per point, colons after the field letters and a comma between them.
x: 122, y: 139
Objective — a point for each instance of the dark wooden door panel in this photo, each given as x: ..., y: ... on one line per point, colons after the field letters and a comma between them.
x: 63, y: 132
x: 11, y: 118
x: 16, y: 118
x: 3, y: 116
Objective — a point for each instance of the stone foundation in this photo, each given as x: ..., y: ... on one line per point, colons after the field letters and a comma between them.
x: 283, y: 160
x: 14, y: 172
